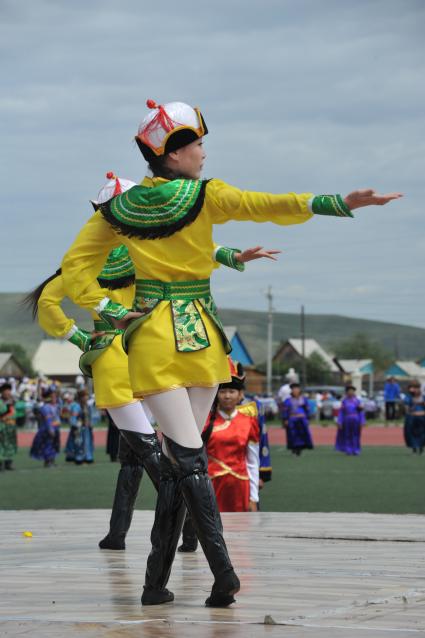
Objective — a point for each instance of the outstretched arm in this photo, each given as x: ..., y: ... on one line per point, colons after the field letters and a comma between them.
x: 227, y: 203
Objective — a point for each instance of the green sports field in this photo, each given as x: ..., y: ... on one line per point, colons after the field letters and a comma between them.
x: 382, y: 479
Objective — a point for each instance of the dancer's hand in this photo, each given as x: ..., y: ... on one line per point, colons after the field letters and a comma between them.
x: 95, y: 334
x: 256, y: 253
x: 369, y: 197
x: 253, y: 506
x: 121, y: 324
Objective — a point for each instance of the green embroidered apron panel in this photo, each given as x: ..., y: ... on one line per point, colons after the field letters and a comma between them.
x: 189, y: 330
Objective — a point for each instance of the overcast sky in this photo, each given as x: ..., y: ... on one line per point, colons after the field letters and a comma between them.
x: 299, y: 95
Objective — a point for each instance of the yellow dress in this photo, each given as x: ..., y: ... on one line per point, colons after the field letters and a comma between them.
x: 111, y: 380
x: 154, y: 363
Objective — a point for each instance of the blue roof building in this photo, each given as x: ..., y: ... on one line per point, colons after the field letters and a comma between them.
x: 240, y: 352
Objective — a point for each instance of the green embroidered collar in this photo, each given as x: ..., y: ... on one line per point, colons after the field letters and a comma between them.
x: 151, y: 213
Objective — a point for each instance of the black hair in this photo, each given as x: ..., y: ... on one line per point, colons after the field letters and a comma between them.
x: 159, y: 168
x: 206, y: 434
x: 5, y: 386
x: 30, y: 301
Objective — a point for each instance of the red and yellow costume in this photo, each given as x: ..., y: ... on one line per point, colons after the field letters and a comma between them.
x: 233, y: 461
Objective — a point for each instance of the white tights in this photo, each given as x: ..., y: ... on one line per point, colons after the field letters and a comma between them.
x: 131, y: 417
x: 181, y: 413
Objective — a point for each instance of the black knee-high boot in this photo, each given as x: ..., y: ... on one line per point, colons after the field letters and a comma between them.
x: 135, y: 453
x: 191, y: 466
x: 148, y: 450
x: 189, y: 538
x: 169, y: 517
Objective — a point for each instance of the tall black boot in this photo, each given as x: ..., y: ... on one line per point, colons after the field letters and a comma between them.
x: 191, y: 466
x: 148, y: 450
x: 136, y: 451
x: 169, y: 517
x: 126, y: 491
x: 190, y: 540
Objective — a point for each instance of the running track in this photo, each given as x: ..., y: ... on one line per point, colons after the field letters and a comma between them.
x: 373, y: 435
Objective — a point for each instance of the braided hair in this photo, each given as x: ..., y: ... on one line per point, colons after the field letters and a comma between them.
x: 206, y: 434
x: 31, y: 300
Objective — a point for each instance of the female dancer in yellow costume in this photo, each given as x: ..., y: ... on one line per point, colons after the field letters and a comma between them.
x: 176, y: 345
x: 106, y: 361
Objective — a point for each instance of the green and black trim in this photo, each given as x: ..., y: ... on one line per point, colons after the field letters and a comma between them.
x: 152, y: 213
x: 98, y: 346
x: 118, y: 271
x: 82, y: 339
x: 332, y: 205
x: 227, y: 257
x: 115, y: 284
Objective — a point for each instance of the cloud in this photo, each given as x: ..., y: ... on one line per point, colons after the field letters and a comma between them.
x: 301, y: 96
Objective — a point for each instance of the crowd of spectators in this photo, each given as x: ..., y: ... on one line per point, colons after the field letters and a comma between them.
x: 28, y: 396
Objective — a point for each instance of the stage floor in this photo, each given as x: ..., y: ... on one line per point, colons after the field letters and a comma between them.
x: 303, y: 575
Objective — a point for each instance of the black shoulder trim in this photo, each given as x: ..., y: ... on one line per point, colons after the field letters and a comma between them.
x: 157, y: 231
x: 115, y: 284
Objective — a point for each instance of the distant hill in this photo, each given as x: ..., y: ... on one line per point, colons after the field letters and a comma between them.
x: 405, y: 342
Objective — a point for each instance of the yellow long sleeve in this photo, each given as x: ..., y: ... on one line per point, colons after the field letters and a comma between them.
x: 226, y: 203
x: 185, y: 255
x: 84, y: 261
x: 51, y: 317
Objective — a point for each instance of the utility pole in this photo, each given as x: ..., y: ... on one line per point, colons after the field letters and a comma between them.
x: 269, y: 297
x: 304, y: 369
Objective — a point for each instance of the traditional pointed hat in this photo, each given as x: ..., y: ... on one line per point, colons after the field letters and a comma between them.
x: 168, y: 127
x: 113, y: 187
x: 238, y: 376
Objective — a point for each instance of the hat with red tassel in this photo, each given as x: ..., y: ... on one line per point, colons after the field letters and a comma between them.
x: 168, y: 127
x: 113, y: 187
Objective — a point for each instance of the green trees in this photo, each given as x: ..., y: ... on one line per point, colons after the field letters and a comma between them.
x: 317, y: 370
x: 359, y: 346
x: 20, y: 355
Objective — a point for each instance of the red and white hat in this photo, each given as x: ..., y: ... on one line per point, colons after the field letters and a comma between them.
x: 168, y: 127
x: 113, y: 187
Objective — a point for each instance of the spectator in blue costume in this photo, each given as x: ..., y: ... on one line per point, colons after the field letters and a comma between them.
x: 80, y: 447
x: 46, y: 444
x: 295, y: 417
x: 414, y: 426
x: 350, y: 421
x: 391, y: 398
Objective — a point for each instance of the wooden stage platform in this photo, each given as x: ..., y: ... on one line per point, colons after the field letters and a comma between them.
x: 303, y: 575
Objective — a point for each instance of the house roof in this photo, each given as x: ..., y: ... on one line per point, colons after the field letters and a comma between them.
x: 4, y: 358
x: 56, y: 358
x: 409, y: 368
x: 229, y: 331
x: 311, y: 346
x: 352, y: 365
x: 8, y: 360
x: 240, y: 352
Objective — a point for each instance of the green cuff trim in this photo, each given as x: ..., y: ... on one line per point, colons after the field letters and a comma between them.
x: 332, y: 205
x: 113, y: 310
x: 81, y: 339
x: 227, y: 257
